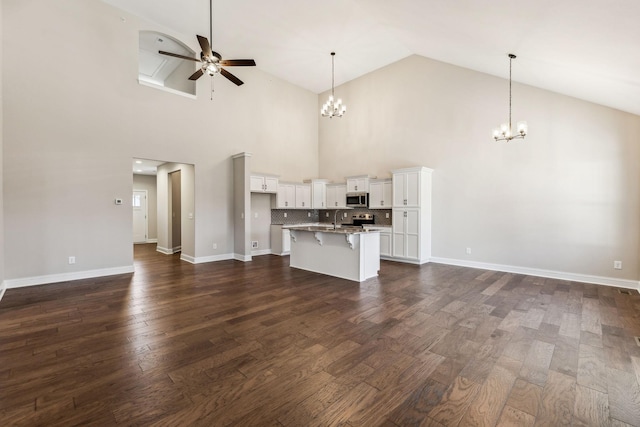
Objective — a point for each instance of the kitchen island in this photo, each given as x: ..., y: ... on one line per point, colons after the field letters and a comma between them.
x: 349, y: 253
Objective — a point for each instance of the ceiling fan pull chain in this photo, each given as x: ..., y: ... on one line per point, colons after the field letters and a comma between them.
x: 212, y: 90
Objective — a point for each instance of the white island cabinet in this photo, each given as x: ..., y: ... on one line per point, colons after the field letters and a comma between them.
x: 351, y: 255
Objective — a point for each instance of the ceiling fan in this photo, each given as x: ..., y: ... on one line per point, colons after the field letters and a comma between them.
x: 212, y: 61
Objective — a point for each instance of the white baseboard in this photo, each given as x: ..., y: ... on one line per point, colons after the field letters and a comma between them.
x: 551, y: 274
x: 165, y: 251
x: 187, y: 258
x: 3, y: 288
x: 152, y: 240
x: 65, y: 277
x: 212, y: 258
x: 261, y: 252
x: 243, y: 258
x: 286, y: 253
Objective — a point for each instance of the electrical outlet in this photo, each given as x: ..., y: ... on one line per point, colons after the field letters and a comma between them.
x: 468, y: 251
x: 215, y: 246
x: 285, y: 214
x: 617, y: 265
x: 386, y: 215
x: 254, y: 244
x: 255, y: 214
x: 327, y: 215
x: 344, y: 215
x: 308, y: 214
x: 72, y: 260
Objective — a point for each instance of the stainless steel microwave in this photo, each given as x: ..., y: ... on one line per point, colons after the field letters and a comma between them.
x: 357, y: 200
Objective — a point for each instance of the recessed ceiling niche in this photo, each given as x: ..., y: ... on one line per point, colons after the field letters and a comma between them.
x: 164, y: 71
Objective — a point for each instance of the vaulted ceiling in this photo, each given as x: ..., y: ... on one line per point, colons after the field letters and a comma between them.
x: 589, y: 49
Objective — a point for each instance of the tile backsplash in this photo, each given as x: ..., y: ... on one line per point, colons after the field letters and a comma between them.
x: 298, y: 216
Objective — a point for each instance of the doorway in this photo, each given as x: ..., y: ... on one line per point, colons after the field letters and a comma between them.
x: 175, y: 211
x: 140, y: 216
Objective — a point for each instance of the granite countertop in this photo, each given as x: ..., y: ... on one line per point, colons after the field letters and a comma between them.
x: 330, y: 229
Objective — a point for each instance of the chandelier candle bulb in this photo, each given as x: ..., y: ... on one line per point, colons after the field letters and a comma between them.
x: 522, y: 128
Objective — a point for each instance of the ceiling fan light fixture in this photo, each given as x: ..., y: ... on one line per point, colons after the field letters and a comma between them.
x: 212, y: 68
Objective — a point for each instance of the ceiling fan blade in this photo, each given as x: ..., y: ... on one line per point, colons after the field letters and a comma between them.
x: 162, y: 52
x: 231, y: 77
x: 196, y: 75
x: 238, y: 62
x: 205, y: 46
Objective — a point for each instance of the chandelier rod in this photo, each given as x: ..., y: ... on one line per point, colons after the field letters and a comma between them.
x: 333, y: 56
x: 511, y: 56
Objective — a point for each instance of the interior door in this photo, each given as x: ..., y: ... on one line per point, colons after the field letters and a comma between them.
x: 139, y: 203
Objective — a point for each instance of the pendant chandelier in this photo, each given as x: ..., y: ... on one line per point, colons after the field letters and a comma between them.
x: 333, y: 108
x: 504, y: 132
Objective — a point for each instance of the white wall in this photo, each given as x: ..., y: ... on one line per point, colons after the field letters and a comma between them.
x: 148, y: 183
x: 70, y: 134
x: 564, y: 199
x: 2, y: 240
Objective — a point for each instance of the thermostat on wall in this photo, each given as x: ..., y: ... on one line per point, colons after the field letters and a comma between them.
x: 118, y: 201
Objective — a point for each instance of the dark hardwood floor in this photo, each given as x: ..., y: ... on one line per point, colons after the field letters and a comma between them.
x: 260, y: 344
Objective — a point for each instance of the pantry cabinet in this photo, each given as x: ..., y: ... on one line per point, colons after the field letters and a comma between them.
x: 411, y: 214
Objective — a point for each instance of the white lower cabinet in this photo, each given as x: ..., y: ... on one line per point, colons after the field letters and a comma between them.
x: 406, y: 234
x: 385, y: 244
x: 280, y: 240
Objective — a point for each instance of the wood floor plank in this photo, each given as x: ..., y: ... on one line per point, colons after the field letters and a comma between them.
x: 259, y: 343
x: 513, y: 417
x: 624, y: 396
x: 592, y: 370
x: 591, y: 407
x: 455, y: 401
x: 525, y: 397
x: 558, y: 397
x: 492, y: 395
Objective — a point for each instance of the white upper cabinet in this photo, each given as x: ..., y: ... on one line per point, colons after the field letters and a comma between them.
x: 336, y: 196
x: 286, y: 196
x: 358, y: 184
x: 380, y: 194
x: 407, y: 187
x: 263, y: 184
x: 318, y: 193
x: 303, y: 196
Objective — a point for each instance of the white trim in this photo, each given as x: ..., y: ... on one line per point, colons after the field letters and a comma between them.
x: 187, y: 258
x: 243, y: 258
x: 168, y: 251
x: 65, y: 277
x: 404, y: 260
x: 212, y: 258
x: 152, y: 241
x: 261, y: 252
x: 562, y: 275
x: 166, y: 89
x: 3, y: 288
